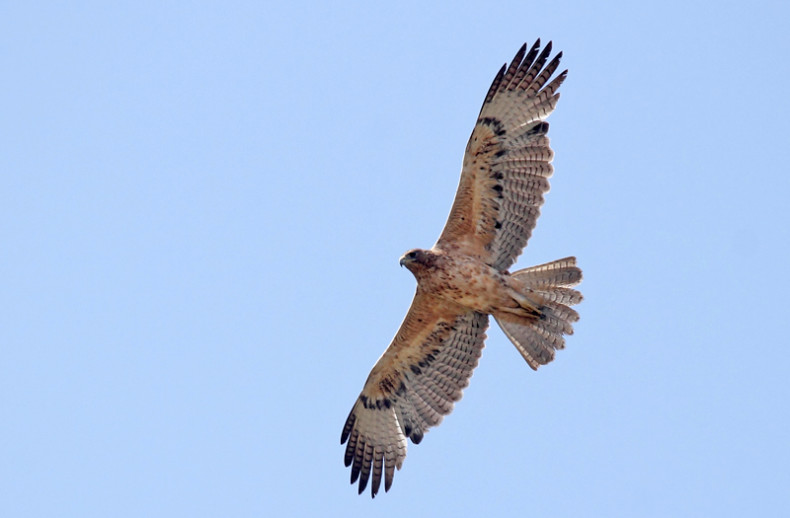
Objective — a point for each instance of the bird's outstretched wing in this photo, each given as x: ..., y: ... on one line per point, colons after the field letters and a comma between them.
x: 412, y: 387
x: 507, y: 162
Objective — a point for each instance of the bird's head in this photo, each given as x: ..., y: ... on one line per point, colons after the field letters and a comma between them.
x: 417, y: 260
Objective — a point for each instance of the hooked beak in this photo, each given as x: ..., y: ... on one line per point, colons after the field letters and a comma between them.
x: 402, y: 261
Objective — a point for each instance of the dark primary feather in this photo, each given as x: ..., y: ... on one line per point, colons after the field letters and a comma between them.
x: 376, y: 429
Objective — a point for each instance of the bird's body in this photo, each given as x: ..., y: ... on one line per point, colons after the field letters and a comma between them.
x: 468, y: 282
x: 464, y: 278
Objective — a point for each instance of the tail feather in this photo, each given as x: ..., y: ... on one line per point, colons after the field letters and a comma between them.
x: 562, y: 295
x: 536, y: 347
x: 562, y: 312
x: 560, y: 273
x: 555, y: 320
x: 538, y: 337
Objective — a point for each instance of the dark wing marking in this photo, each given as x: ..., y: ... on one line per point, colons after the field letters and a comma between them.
x: 507, y: 162
x: 411, y: 388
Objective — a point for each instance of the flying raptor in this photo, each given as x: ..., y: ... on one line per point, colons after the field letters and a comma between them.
x: 464, y: 278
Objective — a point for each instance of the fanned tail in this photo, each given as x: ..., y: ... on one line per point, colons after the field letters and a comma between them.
x: 550, y: 286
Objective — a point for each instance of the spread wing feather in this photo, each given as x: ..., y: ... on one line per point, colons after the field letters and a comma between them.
x: 507, y: 162
x: 412, y: 387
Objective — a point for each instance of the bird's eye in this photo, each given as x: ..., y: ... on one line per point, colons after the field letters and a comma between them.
x: 412, y: 255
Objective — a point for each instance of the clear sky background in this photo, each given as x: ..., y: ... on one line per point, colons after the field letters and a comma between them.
x: 201, y: 213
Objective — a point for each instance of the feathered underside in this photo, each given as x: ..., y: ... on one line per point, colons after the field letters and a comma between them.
x: 507, y: 162
x: 412, y: 387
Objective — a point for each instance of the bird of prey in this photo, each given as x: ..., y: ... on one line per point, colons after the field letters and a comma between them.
x: 464, y: 278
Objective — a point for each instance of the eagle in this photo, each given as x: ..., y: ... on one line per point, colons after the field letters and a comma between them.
x: 464, y: 278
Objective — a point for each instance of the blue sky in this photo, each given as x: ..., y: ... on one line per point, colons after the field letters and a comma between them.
x: 202, y: 210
